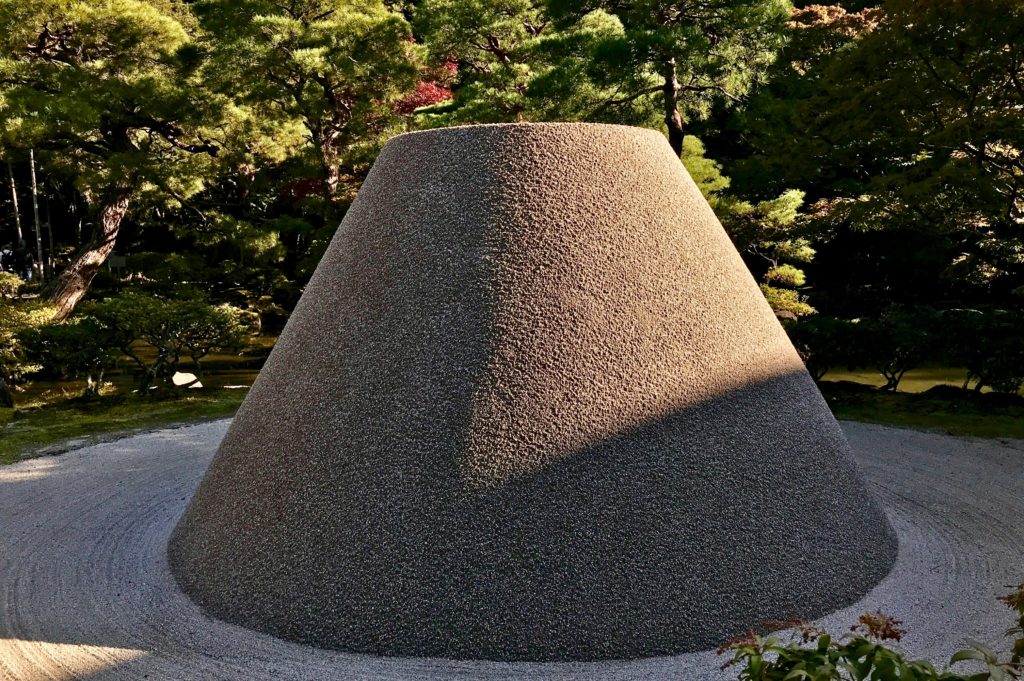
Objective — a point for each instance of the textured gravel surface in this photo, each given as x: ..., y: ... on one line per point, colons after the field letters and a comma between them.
x: 531, y: 406
x: 85, y: 591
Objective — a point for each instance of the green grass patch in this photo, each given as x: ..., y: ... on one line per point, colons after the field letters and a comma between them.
x: 915, y: 381
x: 944, y: 409
x: 53, y: 428
x: 53, y: 425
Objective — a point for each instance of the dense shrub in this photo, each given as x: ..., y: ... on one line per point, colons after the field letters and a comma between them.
x: 787, y: 303
x: 785, y: 275
x: 823, y: 342
x: 80, y: 348
x: 10, y: 284
x: 989, y: 344
x: 15, y: 319
x: 898, y: 341
x: 175, y: 330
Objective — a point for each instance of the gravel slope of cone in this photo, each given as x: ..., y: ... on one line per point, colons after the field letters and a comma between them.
x: 531, y: 406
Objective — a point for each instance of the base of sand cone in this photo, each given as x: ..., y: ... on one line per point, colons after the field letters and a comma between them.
x: 531, y: 406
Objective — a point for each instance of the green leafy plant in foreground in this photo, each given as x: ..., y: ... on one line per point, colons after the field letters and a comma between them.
x: 1015, y: 601
x: 864, y: 653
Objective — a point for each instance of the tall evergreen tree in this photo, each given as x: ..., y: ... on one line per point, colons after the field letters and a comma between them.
x: 935, y: 97
x: 682, y: 56
x: 624, y: 62
x: 904, y: 126
x: 605, y: 62
x: 338, y: 68
x: 512, y: 63
x: 107, y: 91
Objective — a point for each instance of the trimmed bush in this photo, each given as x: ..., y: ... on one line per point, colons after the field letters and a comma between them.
x: 989, y: 343
x: 15, y: 319
x: 823, y: 342
x: 176, y: 330
x: 898, y: 341
x: 80, y: 348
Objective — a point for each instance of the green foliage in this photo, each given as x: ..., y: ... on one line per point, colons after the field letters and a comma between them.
x: 861, y: 655
x: 707, y: 175
x: 10, y: 284
x: 17, y: 318
x: 597, y: 61
x: 989, y: 344
x: 767, y: 232
x: 110, y: 87
x: 785, y: 275
x: 172, y: 329
x: 333, y: 68
x: 905, y: 118
x: 823, y: 342
x: 898, y: 340
x: 781, y: 123
x: 515, y: 64
x: 705, y: 53
x: 494, y: 44
x: 109, y: 94
x: 237, y: 131
x: 81, y: 347
x: 787, y: 303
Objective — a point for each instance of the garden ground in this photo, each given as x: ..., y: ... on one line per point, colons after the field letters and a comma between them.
x: 47, y: 422
x: 91, y: 595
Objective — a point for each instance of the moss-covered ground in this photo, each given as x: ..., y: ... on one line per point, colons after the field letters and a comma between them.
x: 52, y: 428
x: 48, y: 422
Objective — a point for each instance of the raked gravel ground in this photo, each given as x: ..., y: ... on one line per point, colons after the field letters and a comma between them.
x: 85, y: 592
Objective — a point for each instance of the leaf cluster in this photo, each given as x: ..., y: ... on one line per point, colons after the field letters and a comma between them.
x: 110, y: 86
x: 768, y: 232
x: 16, y: 318
x: 80, y: 347
x: 863, y: 654
x: 158, y: 334
x: 905, y: 117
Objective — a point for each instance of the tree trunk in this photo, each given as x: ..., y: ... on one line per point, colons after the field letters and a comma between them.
x: 48, y: 271
x: 6, y: 396
x: 332, y: 171
x: 673, y: 119
x: 324, y: 141
x: 73, y: 283
x: 35, y: 210
x: 14, y: 200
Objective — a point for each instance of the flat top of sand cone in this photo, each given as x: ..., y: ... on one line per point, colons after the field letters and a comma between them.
x: 531, y: 405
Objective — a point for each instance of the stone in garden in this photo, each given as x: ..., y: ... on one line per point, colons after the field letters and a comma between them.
x: 181, y: 378
x: 531, y: 406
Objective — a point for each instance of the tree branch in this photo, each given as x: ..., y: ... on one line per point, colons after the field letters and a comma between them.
x: 607, y: 104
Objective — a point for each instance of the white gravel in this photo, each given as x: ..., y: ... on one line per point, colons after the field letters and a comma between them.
x: 85, y: 591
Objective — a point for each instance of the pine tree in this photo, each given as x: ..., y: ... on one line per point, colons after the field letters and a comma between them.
x: 680, y: 57
x: 106, y: 91
x: 337, y: 68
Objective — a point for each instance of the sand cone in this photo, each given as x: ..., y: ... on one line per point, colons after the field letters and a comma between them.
x: 531, y: 406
